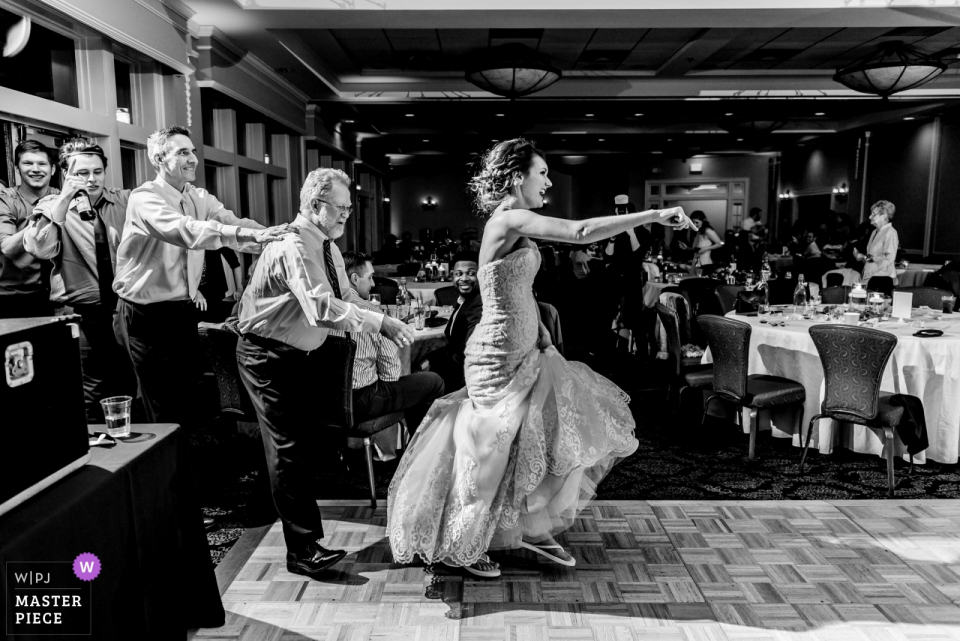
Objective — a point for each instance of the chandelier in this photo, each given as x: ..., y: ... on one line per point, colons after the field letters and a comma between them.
x: 893, y: 67
x: 512, y: 71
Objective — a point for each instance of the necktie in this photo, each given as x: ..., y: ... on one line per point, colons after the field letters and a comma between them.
x: 108, y: 298
x: 331, y: 269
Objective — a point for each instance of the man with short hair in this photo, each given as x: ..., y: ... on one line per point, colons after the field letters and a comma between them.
x: 448, y: 361
x: 83, y: 248
x: 753, y: 221
x: 378, y: 387
x: 811, y: 249
x: 24, y: 287
x: 160, y: 258
x: 297, y: 295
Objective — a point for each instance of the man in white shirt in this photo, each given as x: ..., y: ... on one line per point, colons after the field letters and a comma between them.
x: 169, y: 223
x: 378, y: 387
x: 297, y: 295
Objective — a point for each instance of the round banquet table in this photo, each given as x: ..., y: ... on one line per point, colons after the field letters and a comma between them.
x: 424, y: 341
x: 928, y: 368
x: 915, y: 275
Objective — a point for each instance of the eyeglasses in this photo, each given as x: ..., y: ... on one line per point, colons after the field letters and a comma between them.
x: 345, y: 210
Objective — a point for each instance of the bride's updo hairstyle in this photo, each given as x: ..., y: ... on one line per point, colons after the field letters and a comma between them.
x: 498, y: 169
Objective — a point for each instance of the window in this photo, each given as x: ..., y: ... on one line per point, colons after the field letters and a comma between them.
x: 46, y: 67
x: 128, y: 166
x: 123, y: 72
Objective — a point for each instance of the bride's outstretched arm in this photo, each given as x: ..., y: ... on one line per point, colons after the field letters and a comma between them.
x: 523, y: 222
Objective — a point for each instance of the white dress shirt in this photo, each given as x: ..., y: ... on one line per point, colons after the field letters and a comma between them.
x: 882, y: 247
x: 289, y: 298
x: 160, y: 257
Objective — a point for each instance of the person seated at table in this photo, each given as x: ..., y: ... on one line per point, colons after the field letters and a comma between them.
x: 881, y: 250
x: 378, y: 387
x: 810, y: 247
x: 448, y: 361
x: 749, y: 251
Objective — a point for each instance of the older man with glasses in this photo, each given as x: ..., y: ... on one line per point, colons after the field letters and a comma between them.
x: 298, y: 294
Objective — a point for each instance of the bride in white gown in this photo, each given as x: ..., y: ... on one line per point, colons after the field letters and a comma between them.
x: 510, y: 459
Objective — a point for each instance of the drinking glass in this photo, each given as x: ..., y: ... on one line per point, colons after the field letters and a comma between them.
x: 763, y: 311
x: 116, y: 410
x: 948, y: 303
x: 420, y: 318
x: 375, y: 299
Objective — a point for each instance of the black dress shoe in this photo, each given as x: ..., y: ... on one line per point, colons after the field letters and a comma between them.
x: 316, y: 559
x: 209, y: 523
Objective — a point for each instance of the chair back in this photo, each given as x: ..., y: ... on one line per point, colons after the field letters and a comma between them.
x: 727, y: 297
x: 671, y: 327
x: 750, y: 300
x: 729, y: 342
x: 929, y: 296
x: 834, y: 295
x: 853, y: 361
x: 220, y: 346
x: 386, y: 288
x: 700, y: 293
x: 882, y: 284
x: 948, y: 280
x: 833, y: 279
x: 446, y: 295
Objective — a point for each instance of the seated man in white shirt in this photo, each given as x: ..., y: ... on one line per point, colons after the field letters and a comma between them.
x: 378, y: 387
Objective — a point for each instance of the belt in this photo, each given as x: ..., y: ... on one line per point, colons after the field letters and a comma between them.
x: 272, y: 344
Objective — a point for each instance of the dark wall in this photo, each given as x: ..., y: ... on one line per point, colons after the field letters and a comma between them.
x: 820, y: 169
x: 899, y: 171
x: 946, y: 215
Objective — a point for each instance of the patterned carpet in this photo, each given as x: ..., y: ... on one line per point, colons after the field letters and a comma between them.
x: 675, y: 461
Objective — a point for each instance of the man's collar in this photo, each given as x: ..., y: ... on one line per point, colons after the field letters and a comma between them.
x: 105, y: 195
x: 23, y: 192
x: 308, y: 226
x: 169, y: 189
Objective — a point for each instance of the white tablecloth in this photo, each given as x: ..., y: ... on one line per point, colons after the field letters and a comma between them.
x: 424, y: 341
x: 925, y: 367
x: 914, y: 275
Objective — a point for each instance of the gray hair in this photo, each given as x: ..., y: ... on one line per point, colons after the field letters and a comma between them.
x: 885, y: 207
x: 318, y: 184
x: 159, y: 140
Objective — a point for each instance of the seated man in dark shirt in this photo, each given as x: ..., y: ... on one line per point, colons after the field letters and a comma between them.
x: 448, y: 361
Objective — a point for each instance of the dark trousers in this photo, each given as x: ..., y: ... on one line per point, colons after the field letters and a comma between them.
x: 412, y: 394
x: 107, y: 370
x: 285, y: 393
x: 161, y: 340
x: 26, y: 305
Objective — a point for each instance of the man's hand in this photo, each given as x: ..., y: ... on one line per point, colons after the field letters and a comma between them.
x: 674, y: 217
x: 238, y: 294
x: 71, y: 185
x: 200, y: 302
x: 545, y: 340
x: 396, y: 331
x: 265, y: 235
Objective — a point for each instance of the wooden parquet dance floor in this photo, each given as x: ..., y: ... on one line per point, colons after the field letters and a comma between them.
x: 813, y: 570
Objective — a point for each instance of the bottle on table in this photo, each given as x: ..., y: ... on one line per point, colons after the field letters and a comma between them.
x: 403, y: 300
x: 800, y: 294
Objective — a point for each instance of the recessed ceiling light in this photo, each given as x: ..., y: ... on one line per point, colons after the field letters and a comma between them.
x: 349, y: 122
x: 819, y: 113
x: 669, y: 139
x: 499, y: 115
x: 908, y: 118
x: 426, y: 140
x: 589, y: 115
x: 739, y: 139
x: 729, y: 113
x: 409, y: 115
x: 637, y: 115
x: 601, y: 139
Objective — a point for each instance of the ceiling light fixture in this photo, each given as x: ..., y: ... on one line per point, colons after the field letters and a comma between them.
x: 512, y: 70
x: 891, y: 68
x: 908, y: 118
x: 638, y: 115
x: 588, y: 115
x: 819, y: 113
x: 409, y: 115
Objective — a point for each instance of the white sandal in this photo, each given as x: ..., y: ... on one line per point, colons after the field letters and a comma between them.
x: 542, y: 551
x: 486, y: 574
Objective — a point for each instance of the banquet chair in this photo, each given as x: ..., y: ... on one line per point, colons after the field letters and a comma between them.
x: 220, y: 346
x: 852, y: 393
x: 882, y: 284
x: 686, y: 372
x: 926, y: 296
x: 729, y: 342
x: 832, y: 279
x: 446, y: 295
x: 834, y: 295
x: 727, y: 297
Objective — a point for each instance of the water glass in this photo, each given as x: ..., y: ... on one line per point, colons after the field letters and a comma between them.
x: 116, y: 410
x: 763, y: 311
x: 420, y: 318
x: 375, y: 299
x: 948, y: 303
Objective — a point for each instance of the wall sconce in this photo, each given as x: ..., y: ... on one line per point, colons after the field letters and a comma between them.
x: 840, y: 193
x: 429, y: 203
x: 785, y: 195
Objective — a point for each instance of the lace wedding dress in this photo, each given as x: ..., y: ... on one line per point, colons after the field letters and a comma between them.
x: 517, y: 452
